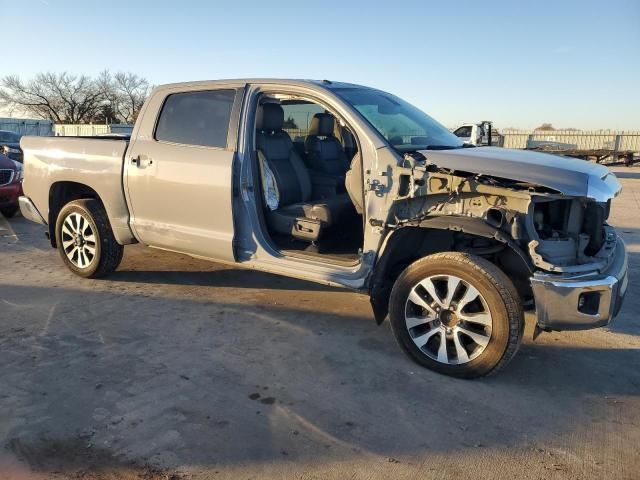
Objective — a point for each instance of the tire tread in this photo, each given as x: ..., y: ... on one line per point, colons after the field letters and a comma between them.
x: 111, y: 251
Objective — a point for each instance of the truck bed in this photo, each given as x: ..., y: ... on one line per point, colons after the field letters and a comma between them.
x: 95, y: 162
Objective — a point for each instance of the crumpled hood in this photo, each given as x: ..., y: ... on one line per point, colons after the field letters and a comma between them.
x: 569, y: 176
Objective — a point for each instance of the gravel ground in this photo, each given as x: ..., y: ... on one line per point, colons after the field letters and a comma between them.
x: 179, y: 368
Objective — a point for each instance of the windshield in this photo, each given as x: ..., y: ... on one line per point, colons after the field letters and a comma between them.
x: 9, y: 137
x: 404, y: 126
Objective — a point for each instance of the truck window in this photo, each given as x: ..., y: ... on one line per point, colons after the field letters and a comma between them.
x: 298, y: 115
x: 463, y: 132
x: 404, y: 126
x: 196, y: 118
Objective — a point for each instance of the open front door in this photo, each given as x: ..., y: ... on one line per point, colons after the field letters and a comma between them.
x: 179, y: 172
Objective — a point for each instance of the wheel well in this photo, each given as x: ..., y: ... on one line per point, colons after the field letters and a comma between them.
x: 409, y: 244
x: 62, y: 193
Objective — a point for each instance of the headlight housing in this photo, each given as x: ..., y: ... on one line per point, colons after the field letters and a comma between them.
x: 19, y: 172
x: 6, y: 149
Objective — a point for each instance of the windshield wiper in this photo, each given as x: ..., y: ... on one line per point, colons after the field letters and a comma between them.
x: 442, y: 147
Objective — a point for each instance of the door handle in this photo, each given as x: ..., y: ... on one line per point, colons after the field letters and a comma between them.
x: 141, y: 161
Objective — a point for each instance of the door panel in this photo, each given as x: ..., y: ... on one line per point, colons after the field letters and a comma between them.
x: 181, y: 195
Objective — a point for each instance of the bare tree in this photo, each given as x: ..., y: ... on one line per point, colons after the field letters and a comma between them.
x: 66, y: 98
x: 125, y: 92
x: 133, y: 90
x: 60, y: 97
x: 545, y: 126
x: 108, y: 112
x: 290, y: 123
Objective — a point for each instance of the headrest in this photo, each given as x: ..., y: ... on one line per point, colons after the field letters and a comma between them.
x: 322, y: 125
x: 272, y: 117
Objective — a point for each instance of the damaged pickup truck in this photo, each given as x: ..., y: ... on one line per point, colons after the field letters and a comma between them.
x: 348, y: 186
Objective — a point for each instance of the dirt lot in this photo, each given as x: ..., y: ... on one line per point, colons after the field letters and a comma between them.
x: 178, y: 368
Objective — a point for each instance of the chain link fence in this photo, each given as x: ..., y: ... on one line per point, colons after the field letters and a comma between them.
x: 613, y: 140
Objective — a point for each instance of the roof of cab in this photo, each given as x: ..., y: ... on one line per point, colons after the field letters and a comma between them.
x: 328, y: 84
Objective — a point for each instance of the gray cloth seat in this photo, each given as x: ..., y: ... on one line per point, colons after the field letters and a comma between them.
x: 293, y: 181
x: 324, y: 152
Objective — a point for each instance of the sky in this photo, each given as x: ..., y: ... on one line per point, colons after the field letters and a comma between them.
x: 575, y: 64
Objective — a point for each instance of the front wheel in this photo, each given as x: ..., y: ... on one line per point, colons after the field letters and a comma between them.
x: 85, y: 240
x: 457, y: 314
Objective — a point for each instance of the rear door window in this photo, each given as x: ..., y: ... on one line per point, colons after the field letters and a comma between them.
x: 298, y: 116
x: 196, y: 118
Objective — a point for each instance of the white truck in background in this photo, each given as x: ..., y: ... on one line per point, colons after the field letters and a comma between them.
x: 480, y: 134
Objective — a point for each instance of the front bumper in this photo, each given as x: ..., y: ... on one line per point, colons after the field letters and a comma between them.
x: 29, y: 210
x: 581, y: 302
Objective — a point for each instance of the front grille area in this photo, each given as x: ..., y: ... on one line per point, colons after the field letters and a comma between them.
x: 6, y: 176
x: 595, y: 215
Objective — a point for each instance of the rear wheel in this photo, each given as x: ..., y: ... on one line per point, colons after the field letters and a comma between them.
x: 457, y: 314
x: 85, y: 240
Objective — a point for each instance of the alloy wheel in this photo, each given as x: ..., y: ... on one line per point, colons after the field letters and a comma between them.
x: 78, y: 240
x: 448, y: 319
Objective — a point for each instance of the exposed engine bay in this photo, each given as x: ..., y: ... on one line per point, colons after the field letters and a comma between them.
x: 560, y: 234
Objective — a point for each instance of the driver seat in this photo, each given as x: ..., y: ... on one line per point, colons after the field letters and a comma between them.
x: 296, y: 213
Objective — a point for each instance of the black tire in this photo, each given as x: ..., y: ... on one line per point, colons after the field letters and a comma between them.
x: 497, y: 290
x: 9, y: 212
x: 108, y: 252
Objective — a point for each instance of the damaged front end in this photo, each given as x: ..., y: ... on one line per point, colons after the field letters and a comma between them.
x: 554, y: 222
x: 582, y: 276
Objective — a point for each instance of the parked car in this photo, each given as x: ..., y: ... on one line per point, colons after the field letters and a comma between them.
x: 10, y: 145
x: 10, y: 185
x: 451, y: 242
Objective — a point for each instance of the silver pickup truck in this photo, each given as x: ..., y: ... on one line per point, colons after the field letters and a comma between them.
x: 349, y: 186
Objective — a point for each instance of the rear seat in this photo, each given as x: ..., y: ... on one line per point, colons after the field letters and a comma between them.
x: 324, y: 152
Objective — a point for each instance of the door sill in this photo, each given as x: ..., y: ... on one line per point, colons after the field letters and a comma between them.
x: 346, y: 260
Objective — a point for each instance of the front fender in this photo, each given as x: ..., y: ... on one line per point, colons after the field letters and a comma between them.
x: 405, y: 245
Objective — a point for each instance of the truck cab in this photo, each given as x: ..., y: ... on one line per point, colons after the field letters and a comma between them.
x: 277, y: 165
